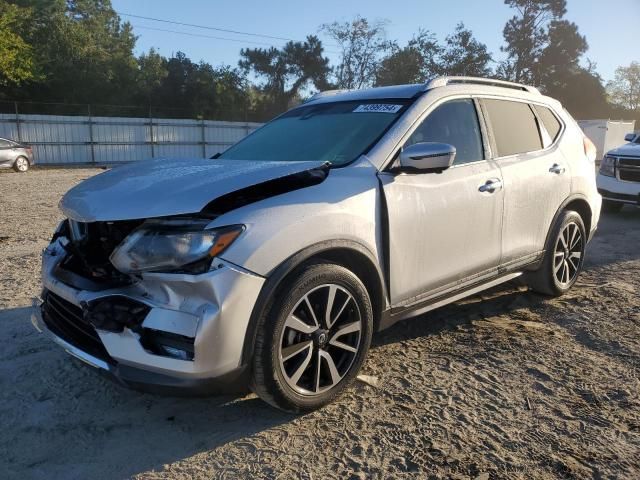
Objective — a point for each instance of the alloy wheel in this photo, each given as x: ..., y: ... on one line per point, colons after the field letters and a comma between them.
x: 567, y: 255
x: 320, y: 339
x: 22, y: 165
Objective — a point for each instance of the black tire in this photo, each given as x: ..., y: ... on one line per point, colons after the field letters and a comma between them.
x: 21, y: 164
x: 548, y: 278
x: 609, y: 206
x: 270, y: 378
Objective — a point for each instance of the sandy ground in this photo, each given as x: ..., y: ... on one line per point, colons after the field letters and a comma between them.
x: 506, y: 385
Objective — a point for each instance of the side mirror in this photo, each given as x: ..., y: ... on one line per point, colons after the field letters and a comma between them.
x: 629, y: 137
x: 428, y: 157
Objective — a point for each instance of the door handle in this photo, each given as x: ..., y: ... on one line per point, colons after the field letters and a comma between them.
x: 557, y: 169
x: 490, y: 186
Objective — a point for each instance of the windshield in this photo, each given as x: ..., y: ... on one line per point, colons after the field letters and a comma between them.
x: 337, y: 132
x: 637, y: 139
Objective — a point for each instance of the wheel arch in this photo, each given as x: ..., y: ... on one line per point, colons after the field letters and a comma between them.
x: 347, y: 253
x: 577, y: 203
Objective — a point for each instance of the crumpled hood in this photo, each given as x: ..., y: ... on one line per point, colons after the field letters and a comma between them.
x: 629, y: 149
x: 163, y: 187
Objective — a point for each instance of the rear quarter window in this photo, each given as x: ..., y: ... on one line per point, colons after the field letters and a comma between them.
x: 514, y: 127
x: 549, y: 120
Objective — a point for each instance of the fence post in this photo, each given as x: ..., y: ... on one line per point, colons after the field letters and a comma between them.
x: 153, y: 153
x: 18, y: 131
x: 91, y: 142
x: 204, y: 139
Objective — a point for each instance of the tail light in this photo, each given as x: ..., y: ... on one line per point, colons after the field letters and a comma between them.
x: 590, y: 150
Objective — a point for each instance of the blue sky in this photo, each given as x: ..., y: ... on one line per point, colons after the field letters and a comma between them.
x: 611, y: 26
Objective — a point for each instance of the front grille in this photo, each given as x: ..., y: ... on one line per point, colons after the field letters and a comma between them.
x: 66, y: 320
x: 628, y: 162
x: 629, y: 175
x: 628, y: 168
x: 89, y: 250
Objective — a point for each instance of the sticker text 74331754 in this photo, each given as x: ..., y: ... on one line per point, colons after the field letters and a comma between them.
x: 378, y: 108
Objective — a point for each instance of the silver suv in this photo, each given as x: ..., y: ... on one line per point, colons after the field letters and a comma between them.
x: 272, y: 265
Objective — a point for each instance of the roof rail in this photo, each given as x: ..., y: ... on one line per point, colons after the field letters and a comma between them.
x: 444, y: 81
x: 325, y: 93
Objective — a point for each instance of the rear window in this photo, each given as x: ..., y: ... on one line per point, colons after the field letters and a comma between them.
x: 514, y: 127
x: 549, y: 120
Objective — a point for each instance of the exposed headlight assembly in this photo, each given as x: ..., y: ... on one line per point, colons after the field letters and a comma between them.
x: 608, y: 166
x: 179, y: 245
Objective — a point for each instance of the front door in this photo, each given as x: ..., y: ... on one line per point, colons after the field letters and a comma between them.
x: 444, y: 229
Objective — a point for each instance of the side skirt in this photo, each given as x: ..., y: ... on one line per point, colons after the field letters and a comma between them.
x: 394, y: 315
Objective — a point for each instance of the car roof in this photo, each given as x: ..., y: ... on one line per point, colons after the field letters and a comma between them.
x: 394, y: 91
x: 475, y: 84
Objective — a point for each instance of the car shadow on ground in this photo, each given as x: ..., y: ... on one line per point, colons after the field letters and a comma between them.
x: 144, y: 431
x: 56, y: 408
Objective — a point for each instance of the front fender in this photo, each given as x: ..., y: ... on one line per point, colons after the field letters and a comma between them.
x: 346, y: 206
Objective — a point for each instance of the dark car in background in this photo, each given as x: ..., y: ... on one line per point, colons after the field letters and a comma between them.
x: 15, y: 155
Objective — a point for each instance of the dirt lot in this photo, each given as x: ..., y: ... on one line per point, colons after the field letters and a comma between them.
x: 506, y: 385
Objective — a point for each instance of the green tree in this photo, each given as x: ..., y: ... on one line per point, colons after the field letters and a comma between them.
x: 464, y: 55
x: 84, y: 51
x: 363, y: 45
x: 546, y: 50
x: 179, y: 87
x: 414, y: 63
x: 17, y: 64
x: 624, y: 89
x: 286, y: 72
x: 581, y: 92
x: 526, y: 36
x: 152, y: 71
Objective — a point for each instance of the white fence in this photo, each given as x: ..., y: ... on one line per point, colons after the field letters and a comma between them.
x: 78, y: 140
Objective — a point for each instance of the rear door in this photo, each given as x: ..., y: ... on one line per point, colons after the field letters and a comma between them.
x: 444, y: 228
x: 535, y: 174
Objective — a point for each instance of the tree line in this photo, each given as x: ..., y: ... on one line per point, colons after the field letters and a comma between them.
x: 81, y: 52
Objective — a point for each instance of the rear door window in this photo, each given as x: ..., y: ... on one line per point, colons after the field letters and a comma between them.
x: 549, y: 120
x: 455, y: 123
x: 514, y: 127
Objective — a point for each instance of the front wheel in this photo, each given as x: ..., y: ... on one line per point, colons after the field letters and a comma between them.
x: 564, y: 257
x: 21, y: 165
x: 313, y: 339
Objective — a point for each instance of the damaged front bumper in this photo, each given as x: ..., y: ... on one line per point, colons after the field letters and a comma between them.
x: 187, y: 336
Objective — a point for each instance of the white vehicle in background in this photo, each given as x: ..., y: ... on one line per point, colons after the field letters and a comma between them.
x: 619, y: 175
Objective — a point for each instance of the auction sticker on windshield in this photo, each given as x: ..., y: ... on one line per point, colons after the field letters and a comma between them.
x: 378, y: 108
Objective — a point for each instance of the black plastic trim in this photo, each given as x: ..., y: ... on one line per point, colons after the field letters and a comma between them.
x: 236, y: 381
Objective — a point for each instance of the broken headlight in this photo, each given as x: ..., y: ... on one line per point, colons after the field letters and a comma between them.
x: 173, y: 245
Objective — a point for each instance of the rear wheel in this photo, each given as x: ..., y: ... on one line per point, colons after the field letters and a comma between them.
x: 564, y: 257
x: 313, y: 339
x: 21, y: 164
x: 609, y: 206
